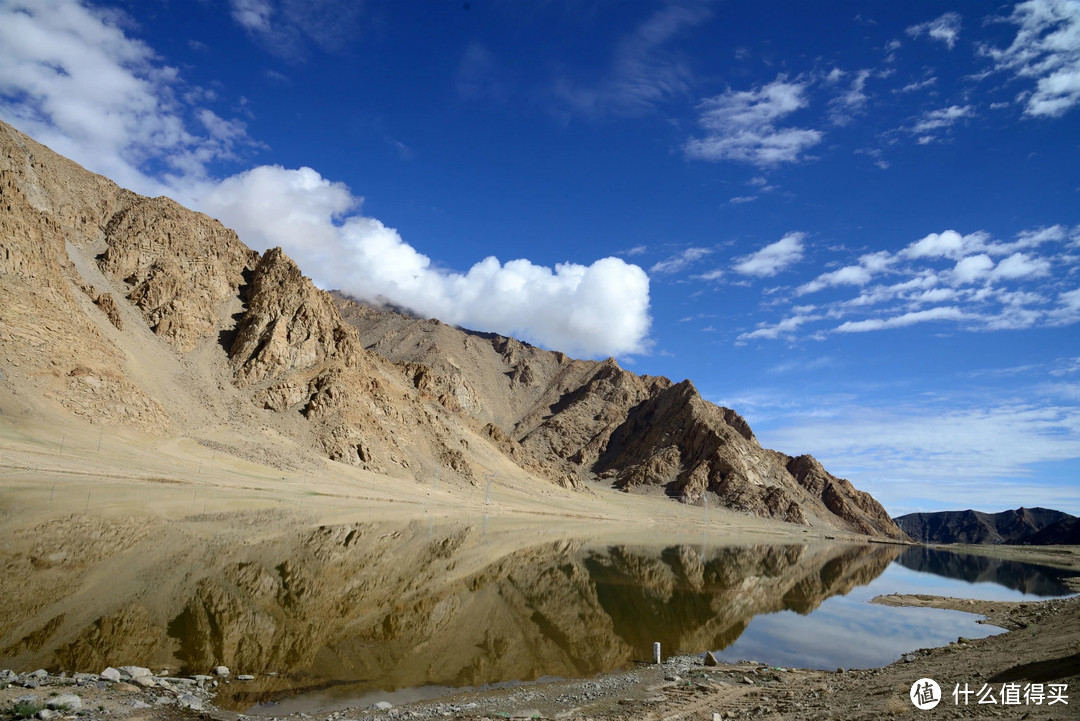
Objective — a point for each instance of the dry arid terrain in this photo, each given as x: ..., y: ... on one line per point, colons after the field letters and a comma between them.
x: 206, y: 460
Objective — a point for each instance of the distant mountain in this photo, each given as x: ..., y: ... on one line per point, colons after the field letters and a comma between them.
x: 1063, y: 533
x: 1021, y: 525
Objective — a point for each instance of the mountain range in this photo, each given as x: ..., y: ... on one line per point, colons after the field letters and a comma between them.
x: 1035, y: 526
x: 137, y: 313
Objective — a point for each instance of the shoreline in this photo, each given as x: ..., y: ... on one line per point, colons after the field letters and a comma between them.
x: 1039, y: 646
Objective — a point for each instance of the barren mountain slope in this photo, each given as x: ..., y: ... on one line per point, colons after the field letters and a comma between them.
x: 138, y: 312
x: 588, y: 418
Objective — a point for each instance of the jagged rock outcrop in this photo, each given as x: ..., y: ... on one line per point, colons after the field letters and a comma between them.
x: 180, y: 267
x: 288, y: 325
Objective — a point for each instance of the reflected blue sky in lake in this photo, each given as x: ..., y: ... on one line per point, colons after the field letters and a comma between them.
x: 850, y: 632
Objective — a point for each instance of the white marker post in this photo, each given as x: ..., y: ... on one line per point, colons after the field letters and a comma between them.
x: 656, y: 652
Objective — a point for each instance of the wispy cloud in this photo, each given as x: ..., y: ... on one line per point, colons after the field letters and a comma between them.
x: 945, y: 29
x: 934, y: 447
x: 679, y: 261
x: 773, y: 258
x: 1047, y: 49
x: 291, y: 28
x: 70, y: 77
x: 643, y: 71
x: 942, y: 118
x: 744, y: 126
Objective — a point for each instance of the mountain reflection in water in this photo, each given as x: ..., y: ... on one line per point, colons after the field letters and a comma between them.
x: 388, y: 608
x: 1026, y: 577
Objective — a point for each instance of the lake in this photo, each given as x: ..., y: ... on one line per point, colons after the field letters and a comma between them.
x: 338, y: 616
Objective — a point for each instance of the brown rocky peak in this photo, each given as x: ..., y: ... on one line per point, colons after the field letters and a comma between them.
x: 289, y: 324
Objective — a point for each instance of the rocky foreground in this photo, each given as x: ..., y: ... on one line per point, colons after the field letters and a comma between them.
x: 1038, y: 657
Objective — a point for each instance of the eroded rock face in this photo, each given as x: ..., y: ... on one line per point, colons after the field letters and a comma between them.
x: 289, y: 324
x: 180, y: 267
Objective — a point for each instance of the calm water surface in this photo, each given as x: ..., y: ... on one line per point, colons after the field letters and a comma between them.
x: 345, y: 615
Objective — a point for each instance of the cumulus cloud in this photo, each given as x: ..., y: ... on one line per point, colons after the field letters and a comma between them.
x: 944, y: 29
x: 1020, y: 265
x: 948, y: 244
x: 848, y: 275
x: 599, y: 309
x: 973, y: 268
x: 71, y: 77
x: 744, y: 126
x: 1047, y: 49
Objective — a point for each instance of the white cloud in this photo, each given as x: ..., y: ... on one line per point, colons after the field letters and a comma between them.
x: 848, y: 275
x: 945, y: 29
x: 987, y: 285
x: 253, y: 14
x: 742, y: 126
x: 949, y: 244
x: 940, y: 449
x: 942, y: 118
x: 901, y: 321
x: 715, y: 274
x: 845, y: 106
x: 1020, y: 265
x: 973, y: 268
x: 1047, y: 49
x: 773, y: 258
x: 917, y: 85
x: 785, y: 327
x: 600, y: 309
x: 72, y: 78
x: 680, y: 260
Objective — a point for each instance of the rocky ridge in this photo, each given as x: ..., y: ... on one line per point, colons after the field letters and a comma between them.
x: 1020, y: 525
x: 134, y: 311
x: 576, y: 420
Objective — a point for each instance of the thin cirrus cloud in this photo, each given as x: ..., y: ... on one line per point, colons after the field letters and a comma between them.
x: 931, y: 447
x: 642, y: 71
x: 746, y: 126
x: 71, y: 77
x: 290, y: 28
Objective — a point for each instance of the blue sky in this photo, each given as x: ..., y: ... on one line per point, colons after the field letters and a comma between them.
x: 855, y: 223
